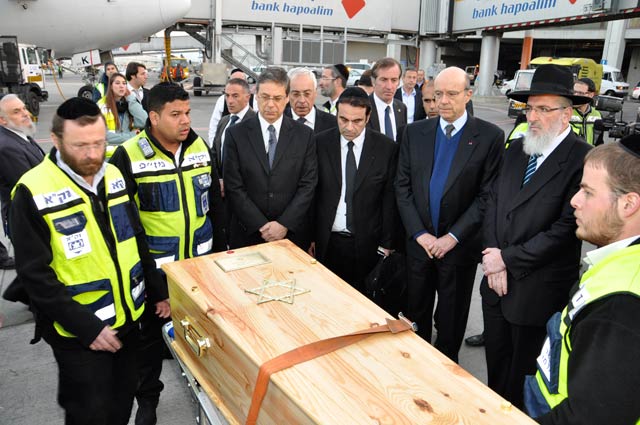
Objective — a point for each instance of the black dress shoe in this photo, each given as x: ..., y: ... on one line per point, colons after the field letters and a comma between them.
x: 475, y: 341
x: 7, y: 263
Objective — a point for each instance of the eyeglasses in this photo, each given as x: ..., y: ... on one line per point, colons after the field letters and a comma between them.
x: 327, y: 78
x: 581, y: 93
x: 306, y: 94
x: 265, y: 98
x: 542, y: 110
x: 85, y: 147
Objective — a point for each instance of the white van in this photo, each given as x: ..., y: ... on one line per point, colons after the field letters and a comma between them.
x: 612, y: 82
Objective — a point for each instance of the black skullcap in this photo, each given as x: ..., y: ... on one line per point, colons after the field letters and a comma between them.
x: 591, y: 86
x: 234, y: 70
x: 353, y: 92
x: 631, y: 144
x: 76, y: 107
x: 342, y: 70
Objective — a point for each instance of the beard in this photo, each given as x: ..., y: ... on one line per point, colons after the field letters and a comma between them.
x: 83, y: 167
x: 28, y: 130
x: 537, y: 143
x: 604, y: 230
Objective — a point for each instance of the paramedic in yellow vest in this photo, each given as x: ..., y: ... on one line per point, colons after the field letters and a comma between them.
x: 82, y: 256
x: 585, y: 116
x: 588, y: 371
x: 170, y: 172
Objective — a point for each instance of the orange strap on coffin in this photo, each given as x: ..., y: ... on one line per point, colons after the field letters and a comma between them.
x: 310, y: 352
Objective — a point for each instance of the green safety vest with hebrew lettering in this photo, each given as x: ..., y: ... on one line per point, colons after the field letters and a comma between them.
x: 583, y: 126
x: 110, y: 284
x: 618, y: 273
x: 173, y: 201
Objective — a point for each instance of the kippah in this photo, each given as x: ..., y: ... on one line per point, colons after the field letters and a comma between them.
x: 77, y: 107
x: 234, y: 70
x: 342, y: 70
x: 631, y: 144
x: 353, y: 92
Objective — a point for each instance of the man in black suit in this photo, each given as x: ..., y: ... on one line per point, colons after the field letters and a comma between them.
x: 387, y: 114
x: 409, y: 94
x: 445, y: 171
x: 136, y: 74
x: 302, y: 98
x: 355, y: 203
x: 532, y: 255
x: 270, y: 170
x: 18, y: 154
x: 236, y: 94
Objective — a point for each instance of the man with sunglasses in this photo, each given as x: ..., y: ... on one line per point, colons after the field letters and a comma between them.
x: 531, y: 255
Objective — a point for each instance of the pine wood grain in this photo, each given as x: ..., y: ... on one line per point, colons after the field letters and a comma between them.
x: 385, y: 379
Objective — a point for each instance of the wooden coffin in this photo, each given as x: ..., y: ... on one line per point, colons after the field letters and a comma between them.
x: 223, y: 336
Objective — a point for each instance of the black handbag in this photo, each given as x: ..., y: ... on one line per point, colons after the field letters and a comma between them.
x: 386, y: 284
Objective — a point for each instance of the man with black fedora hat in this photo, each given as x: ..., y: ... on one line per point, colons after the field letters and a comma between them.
x: 355, y: 203
x: 531, y: 255
x: 592, y: 375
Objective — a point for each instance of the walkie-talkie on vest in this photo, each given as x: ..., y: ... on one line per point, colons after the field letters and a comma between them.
x: 145, y: 147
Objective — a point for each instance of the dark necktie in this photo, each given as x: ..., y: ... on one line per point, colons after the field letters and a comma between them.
x: 350, y: 180
x: 449, y: 130
x: 388, y: 128
x: 301, y: 120
x: 273, y: 142
x: 532, y: 165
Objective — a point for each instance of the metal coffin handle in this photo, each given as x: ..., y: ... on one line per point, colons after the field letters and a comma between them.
x: 198, y: 344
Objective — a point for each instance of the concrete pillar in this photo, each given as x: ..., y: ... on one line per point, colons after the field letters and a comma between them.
x: 614, y: 43
x: 394, y: 50
x: 217, y: 58
x: 428, y: 49
x: 488, y: 53
x: 494, y: 63
x: 633, y: 74
x: 276, y: 45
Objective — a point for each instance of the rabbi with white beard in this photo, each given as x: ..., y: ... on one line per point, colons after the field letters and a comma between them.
x: 531, y: 254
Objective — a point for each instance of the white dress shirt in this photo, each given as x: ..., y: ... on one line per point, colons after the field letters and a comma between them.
x: 380, y: 107
x: 264, y: 126
x: 310, y: 119
x: 340, y: 221
x: 457, y: 124
x: 409, y: 100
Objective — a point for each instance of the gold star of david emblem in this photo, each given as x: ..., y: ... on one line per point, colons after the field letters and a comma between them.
x: 272, y: 289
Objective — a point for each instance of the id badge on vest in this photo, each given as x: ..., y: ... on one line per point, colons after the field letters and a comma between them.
x: 76, y: 244
x: 202, y: 183
x: 74, y: 237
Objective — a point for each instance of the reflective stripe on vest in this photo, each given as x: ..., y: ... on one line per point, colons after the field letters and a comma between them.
x: 106, y: 284
x: 164, y: 191
x: 619, y: 273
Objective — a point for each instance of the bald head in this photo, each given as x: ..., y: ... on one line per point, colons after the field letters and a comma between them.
x: 452, y: 91
x: 456, y: 74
